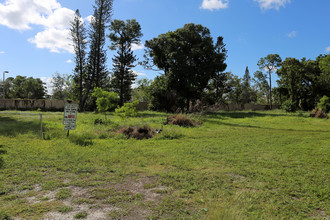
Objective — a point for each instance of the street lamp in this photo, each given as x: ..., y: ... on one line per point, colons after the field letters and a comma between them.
x: 3, y: 86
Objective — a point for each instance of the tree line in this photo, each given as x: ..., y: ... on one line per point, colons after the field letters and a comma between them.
x: 192, y: 66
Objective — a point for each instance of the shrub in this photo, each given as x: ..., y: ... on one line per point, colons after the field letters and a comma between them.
x: 324, y: 104
x: 105, y: 100
x: 289, y: 106
x: 127, y: 110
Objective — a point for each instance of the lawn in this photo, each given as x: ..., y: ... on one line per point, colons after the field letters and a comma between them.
x: 236, y: 165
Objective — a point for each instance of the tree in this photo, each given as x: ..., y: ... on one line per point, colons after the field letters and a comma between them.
x: 26, y: 88
x: 80, y: 77
x: 324, y: 79
x: 324, y: 63
x: 188, y: 58
x: 163, y: 98
x: 142, y: 91
x: 270, y: 63
x: 96, y: 63
x: 248, y: 93
x: 235, y: 93
x: 290, y: 75
x: 60, y: 87
x: 8, y: 85
x: 260, y: 80
x: 123, y: 35
x: 105, y: 100
x: 217, y: 88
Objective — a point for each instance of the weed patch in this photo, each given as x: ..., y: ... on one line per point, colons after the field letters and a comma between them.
x: 81, y: 215
x: 319, y: 113
x: 139, y: 133
x: 182, y: 120
x: 64, y: 193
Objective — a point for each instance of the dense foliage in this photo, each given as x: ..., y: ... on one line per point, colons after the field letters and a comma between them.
x: 123, y: 35
x: 22, y: 87
x: 105, y: 101
x: 304, y: 82
x: 189, y: 59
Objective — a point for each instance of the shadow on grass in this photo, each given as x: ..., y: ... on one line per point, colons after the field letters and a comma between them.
x: 233, y: 114
x: 13, y: 127
x: 264, y: 128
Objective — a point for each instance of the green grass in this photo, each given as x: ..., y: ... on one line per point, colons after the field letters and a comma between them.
x: 236, y: 165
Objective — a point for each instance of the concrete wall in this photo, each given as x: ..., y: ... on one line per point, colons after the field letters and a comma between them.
x: 45, y: 105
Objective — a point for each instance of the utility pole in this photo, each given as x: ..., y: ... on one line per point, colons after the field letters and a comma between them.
x: 3, y: 84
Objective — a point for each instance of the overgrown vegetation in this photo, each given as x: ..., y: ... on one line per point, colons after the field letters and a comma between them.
x: 139, y: 133
x: 236, y: 165
x: 182, y: 120
x: 127, y: 110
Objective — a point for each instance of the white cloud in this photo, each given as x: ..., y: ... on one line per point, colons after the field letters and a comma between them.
x: 137, y: 46
x: 24, y: 14
x: 292, y: 34
x: 89, y: 19
x: 56, y: 40
x: 139, y: 74
x: 48, y: 82
x: 214, y: 4
x: 327, y: 49
x: 2, y: 52
x: 69, y: 61
x: 272, y: 4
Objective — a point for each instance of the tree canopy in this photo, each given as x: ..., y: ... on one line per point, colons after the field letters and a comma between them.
x: 123, y: 35
x: 189, y: 59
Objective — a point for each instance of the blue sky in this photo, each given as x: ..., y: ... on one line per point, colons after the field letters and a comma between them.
x: 35, y: 41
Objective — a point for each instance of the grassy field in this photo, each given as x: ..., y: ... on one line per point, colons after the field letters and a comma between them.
x: 236, y: 165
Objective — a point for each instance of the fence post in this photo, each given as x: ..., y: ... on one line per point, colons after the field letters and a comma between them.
x: 41, y: 125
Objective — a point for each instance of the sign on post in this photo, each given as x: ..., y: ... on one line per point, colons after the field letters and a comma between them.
x: 70, y: 116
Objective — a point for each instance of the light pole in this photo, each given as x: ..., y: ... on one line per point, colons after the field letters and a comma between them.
x: 3, y: 86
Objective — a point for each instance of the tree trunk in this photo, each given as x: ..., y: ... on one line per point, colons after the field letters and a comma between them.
x: 270, y: 90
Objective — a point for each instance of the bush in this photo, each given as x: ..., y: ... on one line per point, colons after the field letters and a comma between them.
x: 324, y: 104
x: 105, y: 101
x: 127, y: 110
x: 289, y: 106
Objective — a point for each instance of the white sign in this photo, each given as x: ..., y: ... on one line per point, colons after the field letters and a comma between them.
x: 70, y: 127
x: 70, y: 116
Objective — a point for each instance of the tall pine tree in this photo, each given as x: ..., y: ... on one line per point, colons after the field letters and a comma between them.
x: 78, y: 34
x: 96, y: 62
x: 123, y: 35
